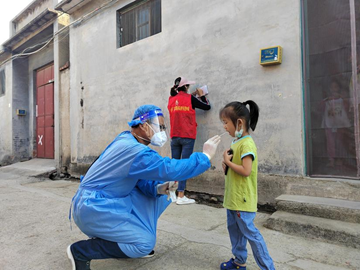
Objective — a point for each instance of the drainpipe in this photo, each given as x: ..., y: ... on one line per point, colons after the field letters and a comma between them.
x: 304, y: 85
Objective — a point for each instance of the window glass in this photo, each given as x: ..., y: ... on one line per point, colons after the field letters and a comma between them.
x: 138, y: 20
x: 143, y: 23
x: 329, y: 92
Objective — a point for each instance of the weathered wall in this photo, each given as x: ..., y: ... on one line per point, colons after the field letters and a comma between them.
x: 18, y: 133
x: 28, y: 14
x: 20, y: 100
x: 6, y: 154
x: 24, y: 97
x: 64, y: 118
x: 271, y: 186
x: 215, y: 43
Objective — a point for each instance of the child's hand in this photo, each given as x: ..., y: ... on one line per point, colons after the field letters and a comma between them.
x: 227, y: 157
x: 223, y: 166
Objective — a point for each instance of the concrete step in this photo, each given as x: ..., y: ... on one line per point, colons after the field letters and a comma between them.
x: 31, y: 167
x: 332, y: 231
x: 336, y: 209
x: 272, y: 186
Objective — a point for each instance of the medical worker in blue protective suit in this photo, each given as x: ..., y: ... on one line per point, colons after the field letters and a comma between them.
x: 124, y: 192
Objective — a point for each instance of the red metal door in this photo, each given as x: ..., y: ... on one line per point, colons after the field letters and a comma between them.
x: 45, y: 112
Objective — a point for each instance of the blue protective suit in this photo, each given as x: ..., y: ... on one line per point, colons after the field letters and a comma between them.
x: 117, y: 199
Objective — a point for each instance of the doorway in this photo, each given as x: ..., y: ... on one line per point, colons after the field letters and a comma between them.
x: 45, y: 112
x: 331, y: 31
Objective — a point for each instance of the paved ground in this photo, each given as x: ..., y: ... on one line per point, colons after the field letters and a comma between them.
x: 35, y: 232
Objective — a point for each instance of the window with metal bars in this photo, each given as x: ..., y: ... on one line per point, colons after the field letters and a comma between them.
x: 138, y: 20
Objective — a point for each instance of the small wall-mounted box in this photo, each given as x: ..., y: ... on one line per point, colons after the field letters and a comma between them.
x: 21, y: 112
x: 271, y: 56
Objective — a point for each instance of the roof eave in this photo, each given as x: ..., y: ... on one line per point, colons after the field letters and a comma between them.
x: 45, y: 17
x: 70, y: 6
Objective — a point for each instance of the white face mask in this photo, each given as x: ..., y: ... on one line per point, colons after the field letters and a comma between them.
x: 159, y: 139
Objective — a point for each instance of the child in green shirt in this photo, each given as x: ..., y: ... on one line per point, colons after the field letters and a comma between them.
x: 240, y: 198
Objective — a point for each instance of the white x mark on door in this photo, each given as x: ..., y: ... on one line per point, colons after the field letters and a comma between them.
x: 40, y: 138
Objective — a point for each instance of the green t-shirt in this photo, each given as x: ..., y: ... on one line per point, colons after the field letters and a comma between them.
x: 240, y: 191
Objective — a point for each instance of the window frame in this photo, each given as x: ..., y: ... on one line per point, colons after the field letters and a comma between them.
x: 136, y: 7
x: 306, y: 64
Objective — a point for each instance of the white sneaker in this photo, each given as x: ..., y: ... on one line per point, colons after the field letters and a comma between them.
x: 184, y: 200
x: 151, y: 254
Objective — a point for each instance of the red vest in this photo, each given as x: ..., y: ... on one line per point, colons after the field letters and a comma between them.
x: 182, y: 116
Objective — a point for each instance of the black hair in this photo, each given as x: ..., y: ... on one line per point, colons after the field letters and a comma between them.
x: 175, y: 89
x: 235, y: 110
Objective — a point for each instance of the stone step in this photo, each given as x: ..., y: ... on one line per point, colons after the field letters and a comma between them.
x: 336, y: 209
x: 272, y: 186
x: 332, y: 231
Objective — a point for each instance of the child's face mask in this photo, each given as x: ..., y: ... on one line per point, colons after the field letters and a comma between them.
x: 239, y: 133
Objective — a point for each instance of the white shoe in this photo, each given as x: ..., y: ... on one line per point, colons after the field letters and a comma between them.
x: 151, y: 254
x: 71, y: 257
x: 184, y: 200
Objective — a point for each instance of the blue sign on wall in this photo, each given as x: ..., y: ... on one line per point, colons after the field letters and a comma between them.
x: 271, y: 56
x: 20, y: 112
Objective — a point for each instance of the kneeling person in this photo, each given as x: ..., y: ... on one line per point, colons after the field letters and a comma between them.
x: 122, y: 195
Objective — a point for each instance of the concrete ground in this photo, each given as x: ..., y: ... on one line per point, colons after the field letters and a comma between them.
x: 35, y: 232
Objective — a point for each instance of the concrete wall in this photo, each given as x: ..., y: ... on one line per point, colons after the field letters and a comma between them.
x: 61, y: 95
x: 28, y: 14
x: 271, y: 186
x: 20, y: 97
x: 64, y: 105
x: 6, y: 154
x: 215, y: 43
x: 18, y: 133
x: 23, y: 138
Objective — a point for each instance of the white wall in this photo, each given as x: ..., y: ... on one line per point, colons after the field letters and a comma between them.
x: 212, y: 42
x: 64, y: 118
x: 6, y: 118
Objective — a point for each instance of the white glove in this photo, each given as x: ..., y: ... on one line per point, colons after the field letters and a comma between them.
x: 173, y: 186
x: 167, y: 187
x: 163, y: 188
x: 210, y: 146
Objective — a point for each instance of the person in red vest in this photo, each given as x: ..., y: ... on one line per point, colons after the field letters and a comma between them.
x: 183, y: 124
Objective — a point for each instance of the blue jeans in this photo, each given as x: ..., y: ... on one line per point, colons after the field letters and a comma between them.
x: 242, y: 229
x: 182, y: 148
x: 96, y: 248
